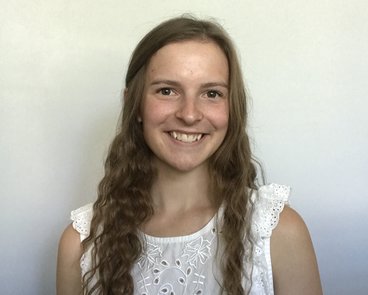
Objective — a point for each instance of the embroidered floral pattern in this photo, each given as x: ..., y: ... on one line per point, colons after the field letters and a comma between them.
x: 187, y: 265
x: 199, y: 249
x: 157, y: 272
x: 150, y: 256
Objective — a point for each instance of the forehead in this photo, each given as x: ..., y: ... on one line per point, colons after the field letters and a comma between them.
x: 191, y: 56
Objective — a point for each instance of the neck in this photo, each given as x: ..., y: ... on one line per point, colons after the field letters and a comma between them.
x: 176, y: 191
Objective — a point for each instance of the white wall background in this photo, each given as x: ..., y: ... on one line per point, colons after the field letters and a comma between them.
x: 62, y: 65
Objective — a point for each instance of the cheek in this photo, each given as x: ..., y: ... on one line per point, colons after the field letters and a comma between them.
x: 224, y: 120
x: 154, y: 111
x: 154, y: 117
x: 226, y: 115
x: 220, y: 118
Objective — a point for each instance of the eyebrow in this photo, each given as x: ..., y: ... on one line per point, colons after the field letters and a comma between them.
x: 175, y: 83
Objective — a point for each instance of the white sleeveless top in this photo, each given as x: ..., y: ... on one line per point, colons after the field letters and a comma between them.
x: 188, y: 264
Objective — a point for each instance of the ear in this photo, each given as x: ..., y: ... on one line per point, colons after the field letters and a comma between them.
x: 125, y: 94
x: 139, y: 118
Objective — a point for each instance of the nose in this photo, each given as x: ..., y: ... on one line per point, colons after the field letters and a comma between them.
x: 189, y: 110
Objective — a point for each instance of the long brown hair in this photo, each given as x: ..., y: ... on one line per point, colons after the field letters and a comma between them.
x: 124, y: 201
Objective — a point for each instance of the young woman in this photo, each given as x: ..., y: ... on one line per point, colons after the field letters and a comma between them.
x: 179, y: 211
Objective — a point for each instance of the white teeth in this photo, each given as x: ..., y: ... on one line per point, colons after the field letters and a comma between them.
x: 186, y: 137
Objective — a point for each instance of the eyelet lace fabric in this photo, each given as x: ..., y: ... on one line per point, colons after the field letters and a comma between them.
x: 268, y: 206
x: 269, y: 202
x: 82, y: 218
x: 188, y: 264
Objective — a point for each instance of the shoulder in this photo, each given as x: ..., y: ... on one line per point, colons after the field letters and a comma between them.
x: 268, y: 203
x: 74, y: 234
x: 68, y: 268
x: 290, y: 225
x: 294, y: 263
x: 70, y: 244
x: 70, y: 251
x: 82, y: 218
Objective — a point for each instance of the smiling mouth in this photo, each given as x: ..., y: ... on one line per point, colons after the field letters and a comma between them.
x: 184, y: 137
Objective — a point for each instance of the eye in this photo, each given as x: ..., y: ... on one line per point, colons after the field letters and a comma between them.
x: 213, y: 94
x: 165, y: 91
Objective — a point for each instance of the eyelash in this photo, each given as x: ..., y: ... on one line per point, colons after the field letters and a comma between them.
x: 164, y: 89
x: 167, y: 91
x: 217, y: 93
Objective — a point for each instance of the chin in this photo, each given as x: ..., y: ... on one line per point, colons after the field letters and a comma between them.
x: 183, y: 167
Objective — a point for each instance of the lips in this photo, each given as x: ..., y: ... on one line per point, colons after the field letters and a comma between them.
x: 186, y: 137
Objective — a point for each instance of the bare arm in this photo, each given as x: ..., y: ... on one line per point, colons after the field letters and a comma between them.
x: 68, y: 274
x: 294, y: 262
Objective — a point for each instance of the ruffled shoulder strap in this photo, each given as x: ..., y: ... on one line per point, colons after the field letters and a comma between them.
x: 81, y: 218
x: 269, y: 201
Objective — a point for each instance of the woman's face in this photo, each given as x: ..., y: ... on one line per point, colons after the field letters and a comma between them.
x: 185, y: 108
